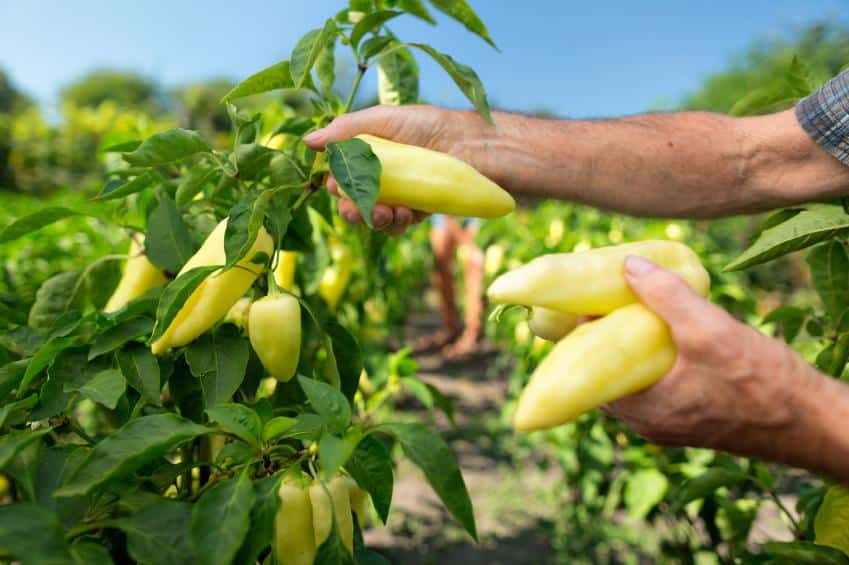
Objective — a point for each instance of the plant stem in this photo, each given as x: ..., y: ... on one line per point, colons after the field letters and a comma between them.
x: 361, y: 70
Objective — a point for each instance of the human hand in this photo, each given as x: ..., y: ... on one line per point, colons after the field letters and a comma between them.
x: 425, y: 126
x: 731, y: 388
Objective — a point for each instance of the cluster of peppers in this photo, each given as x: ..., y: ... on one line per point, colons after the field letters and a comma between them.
x: 626, y: 350
x: 307, y: 512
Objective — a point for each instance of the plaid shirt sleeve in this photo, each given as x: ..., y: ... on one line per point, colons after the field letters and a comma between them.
x: 825, y: 116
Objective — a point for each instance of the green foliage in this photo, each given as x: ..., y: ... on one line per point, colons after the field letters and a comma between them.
x: 127, y: 89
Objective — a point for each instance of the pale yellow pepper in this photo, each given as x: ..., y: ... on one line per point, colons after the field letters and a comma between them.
x: 139, y: 276
x: 274, y: 327
x: 284, y: 271
x: 294, y: 538
x: 214, y: 297
x: 624, y: 352
x: 593, y: 281
x: 434, y: 182
x: 336, y: 491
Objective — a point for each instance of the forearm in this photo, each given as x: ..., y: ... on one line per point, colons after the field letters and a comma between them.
x: 689, y: 164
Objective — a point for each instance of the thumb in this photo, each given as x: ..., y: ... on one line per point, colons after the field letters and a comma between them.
x: 664, y: 292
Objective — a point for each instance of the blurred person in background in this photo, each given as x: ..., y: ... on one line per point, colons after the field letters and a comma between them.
x: 449, y: 237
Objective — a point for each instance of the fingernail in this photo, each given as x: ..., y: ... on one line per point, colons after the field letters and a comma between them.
x: 313, y: 136
x: 637, y: 266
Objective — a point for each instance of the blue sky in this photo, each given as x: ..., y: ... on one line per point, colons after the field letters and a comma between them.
x: 578, y: 58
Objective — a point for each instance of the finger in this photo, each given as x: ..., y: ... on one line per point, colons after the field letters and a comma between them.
x: 382, y: 216
x: 402, y: 221
x: 348, y: 211
x: 419, y: 217
x: 332, y: 187
x: 370, y: 120
x: 667, y: 294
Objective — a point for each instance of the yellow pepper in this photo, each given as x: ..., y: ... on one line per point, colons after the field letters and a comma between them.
x: 323, y: 512
x: 335, y: 278
x: 592, y: 281
x: 214, y: 297
x: 622, y: 353
x: 238, y: 313
x: 274, y: 327
x: 294, y: 539
x: 140, y: 275
x: 359, y: 500
x: 550, y: 324
x: 284, y: 272
x: 435, y: 182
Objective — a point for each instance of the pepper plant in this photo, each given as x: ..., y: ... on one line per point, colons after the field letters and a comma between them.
x: 114, y: 454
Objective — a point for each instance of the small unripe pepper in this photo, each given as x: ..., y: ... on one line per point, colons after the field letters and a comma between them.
x: 435, y: 182
x: 214, y: 297
x: 294, y: 539
x: 323, y: 512
x: 274, y: 328
x: 335, y: 278
x: 139, y: 276
x: 550, y: 324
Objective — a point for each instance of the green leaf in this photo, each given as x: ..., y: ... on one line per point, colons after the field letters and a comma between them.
x: 370, y: 23
x: 374, y: 45
x: 192, y: 183
x: 31, y: 535
x: 832, y: 360
x: 799, y: 78
x: 12, y: 409
x: 275, y: 77
x: 295, y: 125
x: 159, y: 533
x: 119, y: 188
x: 105, y: 387
x: 348, y: 357
x: 167, y: 147
x: 168, y: 243
x: 11, y: 374
x: 276, y: 427
x: 398, y: 77
x: 59, y: 294
x: 357, y: 171
x: 818, y: 223
x: 35, y: 221
x: 832, y: 519
x: 433, y: 456
x: 707, y: 483
x: 830, y: 272
x: 243, y: 224
x: 791, y: 319
x: 643, y: 491
x: 333, y: 451
x: 118, y: 335
x: 371, y: 466
x: 15, y: 441
x: 463, y: 13
x: 228, y: 502
x: 418, y: 9
x: 463, y: 76
x: 251, y: 160
x: 128, y: 449
x: 325, y: 67
x: 45, y: 355
x: 307, y: 49
x: 122, y: 147
x: 329, y: 403
x: 804, y: 553
x: 219, y: 359
x: 175, y: 295
x: 239, y: 420
x: 332, y: 551
x: 141, y: 371
x: 263, y: 513
x: 21, y: 340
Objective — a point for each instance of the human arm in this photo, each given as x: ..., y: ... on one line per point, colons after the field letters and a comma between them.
x: 687, y: 164
x: 734, y: 389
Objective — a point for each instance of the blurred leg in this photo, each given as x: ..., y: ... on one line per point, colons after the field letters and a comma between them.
x: 443, y: 239
x: 473, y: 269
